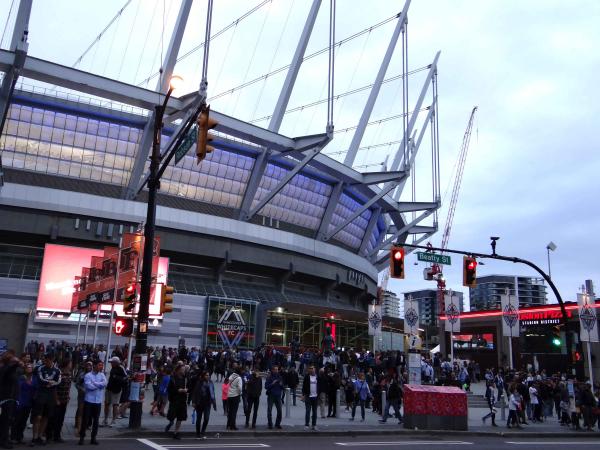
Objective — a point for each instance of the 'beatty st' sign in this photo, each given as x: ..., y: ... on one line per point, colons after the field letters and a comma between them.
x: 433, y: 258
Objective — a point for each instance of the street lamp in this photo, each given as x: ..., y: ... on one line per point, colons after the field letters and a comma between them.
x: 153, y: 186
x: 550, y: 246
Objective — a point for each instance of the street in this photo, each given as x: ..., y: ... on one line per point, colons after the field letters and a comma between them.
x: 339, y: 443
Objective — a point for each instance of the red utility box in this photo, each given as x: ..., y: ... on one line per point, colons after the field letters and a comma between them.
x: 435, y: 407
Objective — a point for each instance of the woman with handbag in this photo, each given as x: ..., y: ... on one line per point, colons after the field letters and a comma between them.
x: 362, y: 394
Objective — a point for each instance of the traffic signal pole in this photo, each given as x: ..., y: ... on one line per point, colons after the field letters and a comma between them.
x: 513, y: 259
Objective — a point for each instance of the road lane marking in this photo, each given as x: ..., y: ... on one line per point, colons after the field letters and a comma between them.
x: 553, y: 442
x: 215, y: 445
x: 400, y: 443
x: 154, y: 445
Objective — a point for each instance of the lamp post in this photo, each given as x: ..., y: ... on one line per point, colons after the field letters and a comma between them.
x: 550, y: 246
x: 153, y: 186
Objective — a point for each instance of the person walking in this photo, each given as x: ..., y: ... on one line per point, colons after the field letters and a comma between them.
x: 233, y: 398
x: 117, y: 379
x: 274, y: 387
x: 310, y: 397
x: 514, y: 405
x: 95, y: 384
x: 490, y: 396
x: 362, y: 394
x: 253, y: 392
x: 203, y: 398
x: 177, y: 400
x: 293, y: 382
x: 393, y: 398
x: 225, y: 394
x: 63, y: 395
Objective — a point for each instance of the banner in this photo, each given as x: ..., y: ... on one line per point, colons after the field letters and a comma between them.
x: 374, y: 320
x: 588, y: 322
x: 452, y: 311
x: 411, y: 316
x: 510, y: 315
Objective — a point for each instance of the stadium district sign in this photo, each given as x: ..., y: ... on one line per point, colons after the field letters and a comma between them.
x: 232, y: 329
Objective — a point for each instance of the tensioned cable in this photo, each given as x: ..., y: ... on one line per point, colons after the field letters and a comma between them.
x: 137, y: 10
x: 330, y: 91
x: 385, y: 119
x: 145, y: 42
x: 366, y: 147
x: 6, y: 23
x: 262, y: 28
x: 95, y: 41
x: 112, y: 43
x: 218, y: 33
x: 306, y: 58
x: 343, y: 94
x: 262, y: 88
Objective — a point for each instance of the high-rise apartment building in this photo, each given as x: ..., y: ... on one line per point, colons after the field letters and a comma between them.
x: 531, y: 291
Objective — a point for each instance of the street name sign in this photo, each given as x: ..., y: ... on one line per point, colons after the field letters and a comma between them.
x: 186, y: 144
x: 433, y: 258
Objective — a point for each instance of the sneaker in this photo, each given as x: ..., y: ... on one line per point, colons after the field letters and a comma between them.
x: 315, y: 428
x: 306, y: 427
x: 381, y: 421
x: 94, y: 442
x: 112, y: 424
x: 278, y: 427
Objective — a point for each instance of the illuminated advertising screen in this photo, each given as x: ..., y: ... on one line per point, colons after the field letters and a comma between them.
x: 62, y: 264
x: 479, y: 341
x: 230, y: 323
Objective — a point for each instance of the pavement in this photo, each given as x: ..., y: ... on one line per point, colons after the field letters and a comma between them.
x: 153, y: 426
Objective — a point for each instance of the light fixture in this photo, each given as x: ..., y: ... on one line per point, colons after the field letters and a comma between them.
x: 176, y: 82
x: 551, y: 246
x: 279, y: 310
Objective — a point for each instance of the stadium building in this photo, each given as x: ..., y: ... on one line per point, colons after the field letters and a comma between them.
x: 266, y: 240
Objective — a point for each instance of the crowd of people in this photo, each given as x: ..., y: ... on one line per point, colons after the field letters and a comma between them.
x: 36, y: 386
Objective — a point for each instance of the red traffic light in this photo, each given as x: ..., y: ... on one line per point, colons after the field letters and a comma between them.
x: 472, y: 265
x: 397, y: 262
x: 398, y: 254
x: 123, y: 326
x: 130, y: 289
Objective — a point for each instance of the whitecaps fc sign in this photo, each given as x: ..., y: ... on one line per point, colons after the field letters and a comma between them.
x: 231, y: 326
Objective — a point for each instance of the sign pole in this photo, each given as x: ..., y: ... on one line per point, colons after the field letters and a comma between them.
x: 98, y: 311
x: 510, y: 353
x: 589, y: 358
x: 452, y: 347
x: 112, y: 309
x: 87, y: 324
x: 78, y: 327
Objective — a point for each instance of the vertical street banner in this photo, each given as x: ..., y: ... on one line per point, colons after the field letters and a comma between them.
x: 374, y: 320
x: 510, y: 315
x: 411, y: 316
x: 588, y: 321
x: 452, y: 312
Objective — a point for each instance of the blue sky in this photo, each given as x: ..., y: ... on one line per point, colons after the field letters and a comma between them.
x: 531, y: 67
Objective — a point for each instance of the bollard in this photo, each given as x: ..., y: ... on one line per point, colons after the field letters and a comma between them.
x: 287, y: 402
x: 383, y: 400
x: 338, y: 395
x: 503, y: 410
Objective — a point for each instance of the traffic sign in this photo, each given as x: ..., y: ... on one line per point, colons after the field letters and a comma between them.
x: 187, y: 143
x: 433, y: 258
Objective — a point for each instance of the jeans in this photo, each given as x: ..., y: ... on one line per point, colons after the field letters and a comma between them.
x: 362, y: 408
x: 273, y: 400
x: 6, y: 421
x: 90, y: 411
x: 252, y: 404
x: 311, y: 406
x: 232, y: 408
x: 394, y: 403
x: 18, y: 428
x: 202, y: 412
x: 56, y: 422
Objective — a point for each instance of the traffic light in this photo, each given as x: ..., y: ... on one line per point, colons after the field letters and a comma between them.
x: 469, y: 271
x: 123, y: 326
x: 129, y: 298
x: 556, y: 339
x: 166, y: 298
x: 397, y: 262
x: 205, y: 123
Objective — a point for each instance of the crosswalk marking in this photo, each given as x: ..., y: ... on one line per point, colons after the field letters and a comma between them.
x: 199, y: 445
x: 399, y: 443
x: 578, y: 442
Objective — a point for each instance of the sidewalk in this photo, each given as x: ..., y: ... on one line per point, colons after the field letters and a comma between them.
x: 294, y: 425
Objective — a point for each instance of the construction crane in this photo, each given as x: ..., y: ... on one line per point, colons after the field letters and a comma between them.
x: 435, y: 272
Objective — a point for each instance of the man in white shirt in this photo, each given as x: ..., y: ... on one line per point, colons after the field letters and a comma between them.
x: 310, y: 397
x: 94, y: 383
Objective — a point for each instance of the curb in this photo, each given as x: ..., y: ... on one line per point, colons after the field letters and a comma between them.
x: 334, y: 433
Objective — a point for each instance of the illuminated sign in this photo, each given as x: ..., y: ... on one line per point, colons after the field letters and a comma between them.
x: 62, y: 276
